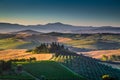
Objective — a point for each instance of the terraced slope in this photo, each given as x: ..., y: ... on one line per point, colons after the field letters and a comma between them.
x: 87, y: 67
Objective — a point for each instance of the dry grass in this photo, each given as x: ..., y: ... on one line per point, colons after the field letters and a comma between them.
x: 62, y: 39
x: 21, y: 53
x: 98, y: 54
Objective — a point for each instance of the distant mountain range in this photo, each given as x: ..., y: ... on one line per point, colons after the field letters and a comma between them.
x: 57, y: 27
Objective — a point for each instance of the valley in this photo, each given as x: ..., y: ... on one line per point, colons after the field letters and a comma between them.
x: 92, y: 45
x: 58, y: 51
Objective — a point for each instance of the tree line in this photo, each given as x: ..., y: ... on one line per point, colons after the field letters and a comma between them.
x: 111, y: 58
x: 24, y: 60
x: 55, y: 48
x: 5, y: 66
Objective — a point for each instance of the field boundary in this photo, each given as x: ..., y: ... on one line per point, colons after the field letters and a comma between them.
x: 31, y: 75
x: 70, y: 70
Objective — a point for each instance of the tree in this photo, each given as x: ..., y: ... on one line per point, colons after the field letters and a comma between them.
x: 43, y: 77
x: 105, y: 58
x: 32, y: 59
x: 107, y: 77
x: 19, y: 69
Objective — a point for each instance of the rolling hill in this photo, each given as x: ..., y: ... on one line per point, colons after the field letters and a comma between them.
x: 27, y: 39
x: 99, y: 53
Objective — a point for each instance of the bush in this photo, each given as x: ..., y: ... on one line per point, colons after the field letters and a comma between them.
x: 107, y: 77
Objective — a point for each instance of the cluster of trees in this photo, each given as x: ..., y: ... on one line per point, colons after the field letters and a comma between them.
x: 24, y: 60
x: 56, y: 48
x: 43, y: 48
x: 115, y: 57
x: 111, y: 58
x: 5, y: 66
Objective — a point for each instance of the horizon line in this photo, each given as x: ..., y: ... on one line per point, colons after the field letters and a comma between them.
x: 57, y: 22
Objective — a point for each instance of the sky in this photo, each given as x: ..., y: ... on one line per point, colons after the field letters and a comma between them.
x: 75, y: 12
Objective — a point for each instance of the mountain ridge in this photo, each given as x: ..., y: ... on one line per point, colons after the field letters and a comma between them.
x: 60, y: 23
x: 58, y: 27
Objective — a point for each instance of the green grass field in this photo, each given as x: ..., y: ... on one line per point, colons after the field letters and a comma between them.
x: 13, y: 43
x: 93, y: 44
x: 22, y: 76
x: 92, y: 41
x: 82, y: 43
x: 51, y: 70
x: 10, y: 43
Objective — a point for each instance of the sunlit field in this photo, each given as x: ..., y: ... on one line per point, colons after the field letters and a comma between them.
x: 22, y: 54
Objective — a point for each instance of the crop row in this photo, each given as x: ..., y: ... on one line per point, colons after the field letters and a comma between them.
x: 87, y: 67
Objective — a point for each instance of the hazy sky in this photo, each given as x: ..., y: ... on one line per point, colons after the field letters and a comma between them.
x: 76, y: 12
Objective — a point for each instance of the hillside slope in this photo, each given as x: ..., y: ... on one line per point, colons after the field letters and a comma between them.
x: 27, y: 40
x: 98, y: 54
x: 21, y: 53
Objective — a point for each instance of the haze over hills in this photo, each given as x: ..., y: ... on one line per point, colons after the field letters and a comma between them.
x: 29, y: 32
x: 58, y: 27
